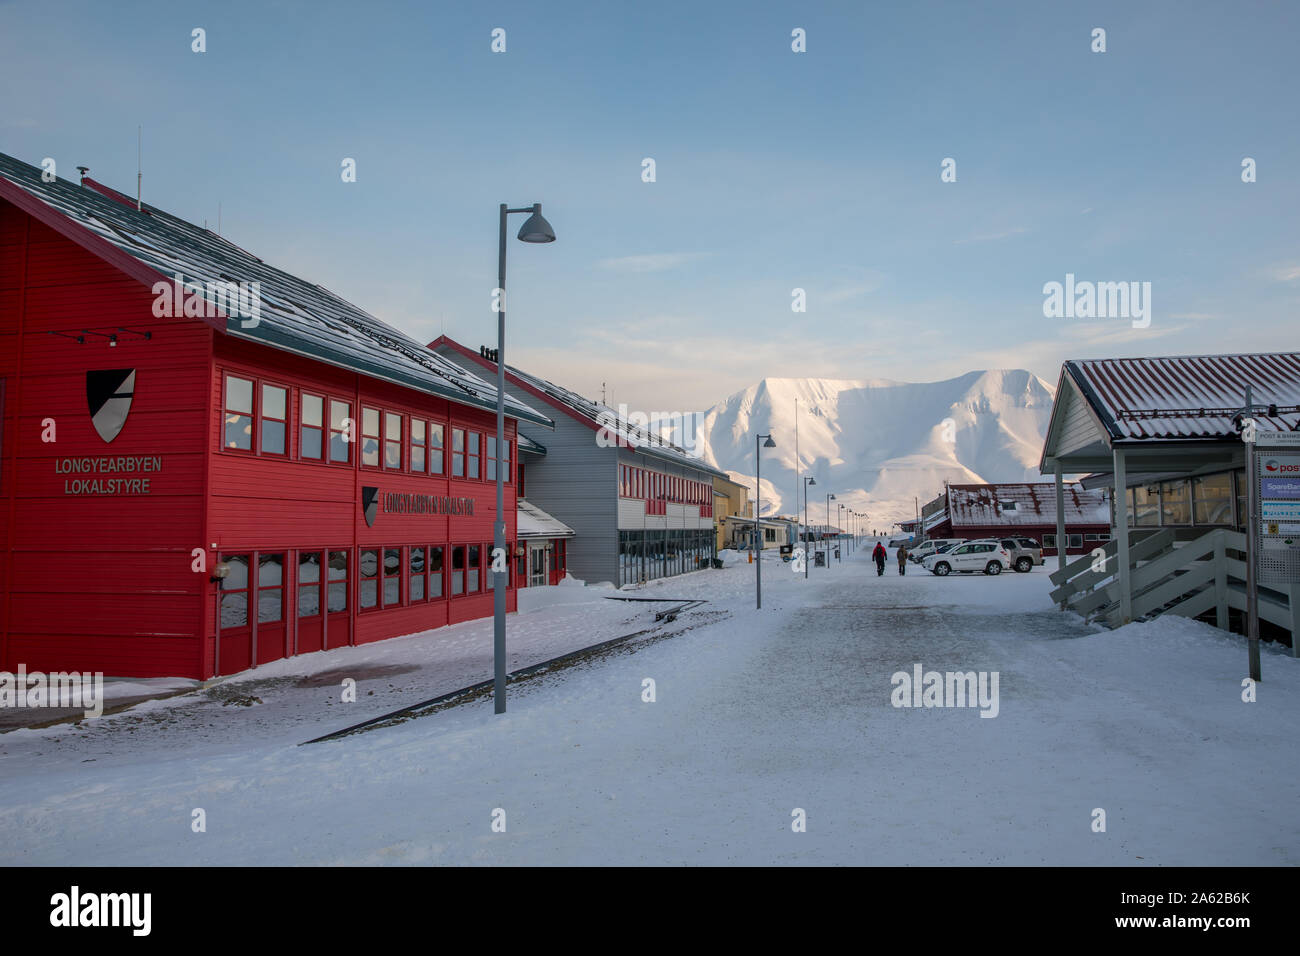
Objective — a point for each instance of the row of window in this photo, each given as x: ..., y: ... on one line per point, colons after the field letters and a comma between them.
x: 649, y: 554
x: 657, y: 489
x: 258, y: 420
x: 385, y: 578
x: 1199, y: 501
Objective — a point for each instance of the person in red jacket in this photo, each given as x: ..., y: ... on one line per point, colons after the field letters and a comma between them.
x: 878, y: 555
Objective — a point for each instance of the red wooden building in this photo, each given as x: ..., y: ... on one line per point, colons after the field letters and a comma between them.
x: 1022, y: 510
x: 340, y: 474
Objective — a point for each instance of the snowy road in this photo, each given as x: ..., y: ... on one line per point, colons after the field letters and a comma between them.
x: 756, y: 715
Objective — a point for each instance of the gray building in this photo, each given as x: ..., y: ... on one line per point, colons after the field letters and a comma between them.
x: 639, y: 507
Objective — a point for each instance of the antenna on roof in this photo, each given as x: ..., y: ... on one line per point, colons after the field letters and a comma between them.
x: 602, y: 393
x: 139, y: 153
x: 83, y: 170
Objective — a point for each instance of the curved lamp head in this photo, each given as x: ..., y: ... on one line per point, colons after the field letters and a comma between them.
x: 812, y: 481
x: 536, y: 228
x: 769, y: 443
x: 830, y: 497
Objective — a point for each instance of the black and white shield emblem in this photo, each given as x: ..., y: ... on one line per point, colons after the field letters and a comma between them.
x: 369, y: 504
x: 108, y: 396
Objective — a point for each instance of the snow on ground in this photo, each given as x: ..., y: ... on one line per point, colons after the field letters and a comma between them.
x: 757, y: 713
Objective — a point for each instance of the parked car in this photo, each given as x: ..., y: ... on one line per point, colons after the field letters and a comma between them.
x: 926, y: 548
x: 1025, y: 553
x: 987, y: 556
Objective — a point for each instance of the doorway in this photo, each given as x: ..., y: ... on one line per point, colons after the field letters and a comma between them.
x: 537, y: 565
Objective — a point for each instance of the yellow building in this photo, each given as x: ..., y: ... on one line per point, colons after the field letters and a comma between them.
x: 730, y: 500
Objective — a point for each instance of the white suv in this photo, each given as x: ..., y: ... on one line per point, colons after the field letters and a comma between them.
x: 987, y: 556
x: 927, y: 548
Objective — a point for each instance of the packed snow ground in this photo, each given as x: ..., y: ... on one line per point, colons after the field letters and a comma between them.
x: 757, y: 714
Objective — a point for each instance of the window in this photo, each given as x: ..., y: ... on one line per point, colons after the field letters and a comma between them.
x: 239, y: 413
x: 270, y: 587
x: 471, y: 454
x: 492, y: 460
x: 234, y: 591
x: 1049, y: 541
x: 392, y: 440
x: 1176, y: 503
x: 312, y: 428
x: 458, y: 453
x: 472, y: 569
x: 1212, y: 499
x: 417, y: 446
x: 458, y: 570
x: 519, y: 491
x: 435, y: 572
x: 338, y: 581
x: 341, y: 436
x: 392, y: 576
x: 369, y: 579
x: 274, y: 420
x: 1075, y: 541
x: 370, y: 437
x: 1146, y: 505
x: 416, y: 566
x: 309, y: 583
x: 435, y: 448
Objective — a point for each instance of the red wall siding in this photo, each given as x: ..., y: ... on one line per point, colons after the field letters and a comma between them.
x: 105, y: 582
x: 279, y: 504
x: 95, y: 582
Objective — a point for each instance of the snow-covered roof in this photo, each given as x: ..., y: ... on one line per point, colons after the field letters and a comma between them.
x: 1023, y: 504
x: 527, y: 444
x: 1188, y: 396
x: 533, y: 522
x: 295, y: 315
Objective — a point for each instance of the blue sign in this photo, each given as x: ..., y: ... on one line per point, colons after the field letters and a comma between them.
x: 1279, y: 487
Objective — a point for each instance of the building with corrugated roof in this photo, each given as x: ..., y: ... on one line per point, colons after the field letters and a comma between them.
x: 640, y: 506
x: 208, y: 463
x: 1164, y: 437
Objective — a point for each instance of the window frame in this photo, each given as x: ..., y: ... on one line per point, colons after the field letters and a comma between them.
x: 321, y: 430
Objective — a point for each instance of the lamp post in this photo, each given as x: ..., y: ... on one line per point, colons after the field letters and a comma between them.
x: 758, y: 513
x: 839, y: 525
x: 829, y: 499
x: 534, y: 229
x: 806, y: 482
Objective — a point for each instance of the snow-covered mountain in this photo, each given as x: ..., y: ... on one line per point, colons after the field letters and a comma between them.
x: 877, y: 444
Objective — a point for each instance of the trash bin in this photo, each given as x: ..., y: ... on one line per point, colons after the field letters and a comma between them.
x: 820, y: 559
x: 837, y: 554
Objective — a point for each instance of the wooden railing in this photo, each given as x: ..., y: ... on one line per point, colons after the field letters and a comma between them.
x: 1207, y: 574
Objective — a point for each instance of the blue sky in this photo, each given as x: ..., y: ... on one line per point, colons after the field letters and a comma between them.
x: 775, y: 171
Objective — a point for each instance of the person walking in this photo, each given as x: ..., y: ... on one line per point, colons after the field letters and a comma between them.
x: 878, y: 555
x: 902, y: 559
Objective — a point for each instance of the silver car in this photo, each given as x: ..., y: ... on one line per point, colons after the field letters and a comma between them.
x: 1026, y: 553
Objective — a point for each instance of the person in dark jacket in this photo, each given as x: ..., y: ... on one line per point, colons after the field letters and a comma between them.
x: 878, y: 555
x: 902, y: 559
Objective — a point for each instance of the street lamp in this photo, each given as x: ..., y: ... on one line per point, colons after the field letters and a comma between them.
x: 829, y: 499
x: 839, y: 522
x: 809, y: 480
x: 534, y: 229
x: 758, y: 513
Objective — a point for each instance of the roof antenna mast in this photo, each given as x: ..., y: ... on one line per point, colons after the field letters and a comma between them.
x: 139, y: 152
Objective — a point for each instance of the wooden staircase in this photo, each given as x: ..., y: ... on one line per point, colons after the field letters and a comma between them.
x: 1189, y: 579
